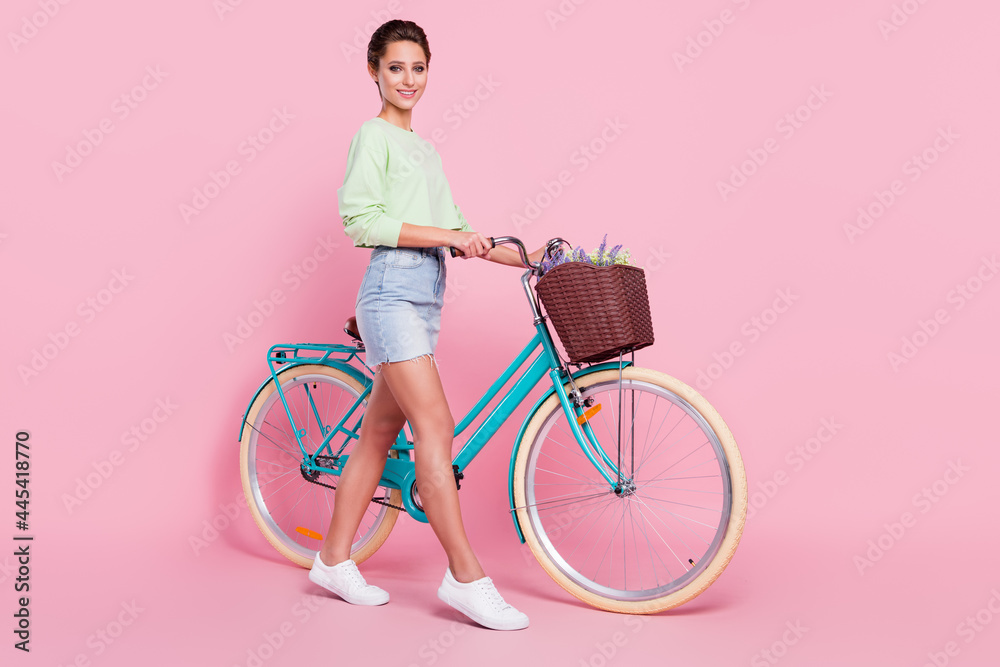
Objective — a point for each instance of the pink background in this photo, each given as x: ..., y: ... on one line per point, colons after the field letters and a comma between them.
x: 713, y: 264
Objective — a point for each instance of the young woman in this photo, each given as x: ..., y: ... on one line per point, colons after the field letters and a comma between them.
x: 396, y: 200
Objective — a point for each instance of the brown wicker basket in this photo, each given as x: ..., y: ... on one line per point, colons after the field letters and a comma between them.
x: 597, y: 311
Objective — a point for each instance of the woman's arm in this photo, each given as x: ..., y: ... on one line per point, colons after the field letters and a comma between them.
x: 472, y: 244
x: 511, y: 257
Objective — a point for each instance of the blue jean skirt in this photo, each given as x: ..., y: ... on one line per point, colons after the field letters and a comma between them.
x: 399, y: 303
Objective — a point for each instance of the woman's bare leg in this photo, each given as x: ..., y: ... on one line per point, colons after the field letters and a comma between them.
x: 416, y: 386
x: 382, y: 421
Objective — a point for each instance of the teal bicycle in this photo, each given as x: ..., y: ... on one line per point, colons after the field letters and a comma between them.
x: 626, y: 484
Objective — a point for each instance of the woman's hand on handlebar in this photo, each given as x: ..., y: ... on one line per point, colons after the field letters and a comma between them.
x: 511, y: 257
x: 537, y: 255
x: 470, y: 244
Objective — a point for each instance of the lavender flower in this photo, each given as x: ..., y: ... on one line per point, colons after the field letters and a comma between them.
x: 600, y: 257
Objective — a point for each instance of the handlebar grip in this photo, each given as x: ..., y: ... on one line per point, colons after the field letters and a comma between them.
x: 455, y: 252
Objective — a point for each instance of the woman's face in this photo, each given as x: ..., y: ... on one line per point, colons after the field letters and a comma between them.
x: 402, y: 74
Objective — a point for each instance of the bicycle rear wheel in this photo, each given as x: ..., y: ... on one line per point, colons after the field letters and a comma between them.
x: 677, y: 520
x: 291, y: 511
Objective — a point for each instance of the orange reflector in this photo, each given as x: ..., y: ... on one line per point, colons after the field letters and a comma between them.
x: 309, y: 533
x: 588, y: 414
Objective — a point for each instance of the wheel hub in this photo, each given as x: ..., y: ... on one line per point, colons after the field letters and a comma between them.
x: 307, y: 474
x: 625, y: 488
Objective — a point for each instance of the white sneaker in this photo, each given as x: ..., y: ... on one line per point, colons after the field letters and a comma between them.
x: 480, y: 601
x: 345, y: 580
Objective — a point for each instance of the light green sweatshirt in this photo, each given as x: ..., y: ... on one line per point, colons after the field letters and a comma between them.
x: 393, y: 176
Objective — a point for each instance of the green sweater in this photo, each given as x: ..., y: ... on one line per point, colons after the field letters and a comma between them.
x: 393, y: 176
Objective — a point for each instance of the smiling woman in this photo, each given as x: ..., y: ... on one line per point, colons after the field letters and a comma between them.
x: 396, y: 201
x: 401, y: 72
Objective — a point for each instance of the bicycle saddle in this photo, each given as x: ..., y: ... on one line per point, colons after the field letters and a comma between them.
x: 351, y: 328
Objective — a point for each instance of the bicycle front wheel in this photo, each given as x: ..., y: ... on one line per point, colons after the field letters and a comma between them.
x: 675, y: 520
x: 291, y: 510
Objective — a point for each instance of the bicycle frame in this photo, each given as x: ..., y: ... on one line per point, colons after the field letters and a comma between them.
x: 400, y: 473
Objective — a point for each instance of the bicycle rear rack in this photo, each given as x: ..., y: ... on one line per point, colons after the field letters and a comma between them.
x: 311, y: 353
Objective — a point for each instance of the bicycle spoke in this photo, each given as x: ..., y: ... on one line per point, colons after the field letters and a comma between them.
x: 611, y: 542
x: 682, y: 517
x: 657, y: 533
x: 645, y: 456
x: 637, y: 544
x: 580, y: 477
x: 291, y: 471
x: 547, y: 504
x: 292, y: 510
x: 664, y: 439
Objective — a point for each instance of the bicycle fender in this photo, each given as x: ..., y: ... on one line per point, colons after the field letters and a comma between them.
x: 363, y: 379
x: 524, y: 425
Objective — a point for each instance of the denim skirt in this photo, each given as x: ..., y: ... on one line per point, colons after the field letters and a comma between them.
x: 399, y: 303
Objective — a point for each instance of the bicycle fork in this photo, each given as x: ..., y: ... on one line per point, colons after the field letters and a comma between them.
x: 580, y: 426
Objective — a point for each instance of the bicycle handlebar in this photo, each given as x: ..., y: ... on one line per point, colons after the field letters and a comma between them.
x: 550, y: 248
x: 455, y: 252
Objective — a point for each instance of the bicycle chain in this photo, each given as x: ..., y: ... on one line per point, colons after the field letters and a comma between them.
x: 330, y: 486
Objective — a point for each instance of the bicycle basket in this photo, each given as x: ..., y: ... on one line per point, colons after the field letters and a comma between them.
x: 597, y: 311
